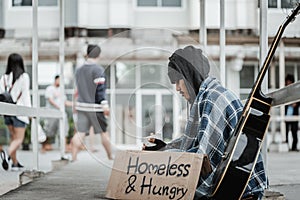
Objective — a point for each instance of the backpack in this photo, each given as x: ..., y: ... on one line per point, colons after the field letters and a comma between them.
x: 6, y: 96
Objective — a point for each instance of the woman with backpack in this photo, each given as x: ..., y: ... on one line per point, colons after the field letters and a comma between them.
x: 16, y: 82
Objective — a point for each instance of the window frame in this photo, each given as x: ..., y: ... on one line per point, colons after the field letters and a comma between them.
x: 159, y: 8
x: 279, y: 5
x: 29, y: 8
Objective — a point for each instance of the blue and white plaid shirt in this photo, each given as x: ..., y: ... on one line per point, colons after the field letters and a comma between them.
x: 213, y: 117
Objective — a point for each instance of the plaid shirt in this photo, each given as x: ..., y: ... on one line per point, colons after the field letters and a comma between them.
x: 213, y: 117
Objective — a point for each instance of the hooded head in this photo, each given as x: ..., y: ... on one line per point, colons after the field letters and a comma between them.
x: 190, y: 65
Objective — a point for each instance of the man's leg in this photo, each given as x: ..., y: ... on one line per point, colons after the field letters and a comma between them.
x: 92, y: 139
x: 51, y: 128
x: 106, y: 144
x: 102, y: 122
x: 294, y: 130
x: 287, y: 128
x: 76, y: 144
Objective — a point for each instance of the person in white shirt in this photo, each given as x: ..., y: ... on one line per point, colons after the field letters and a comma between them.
x: 16, y: 81
x: 54, y: 99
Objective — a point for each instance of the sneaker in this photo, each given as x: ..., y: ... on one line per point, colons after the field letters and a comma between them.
x: 4, y: 161
x: 17, y: 167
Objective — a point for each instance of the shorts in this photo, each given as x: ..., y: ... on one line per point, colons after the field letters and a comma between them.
x: 14, y: 121
x: 87, y: 119
x: 52, y: 126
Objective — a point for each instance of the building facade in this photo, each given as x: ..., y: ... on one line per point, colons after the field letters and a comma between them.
x: 137, y: 37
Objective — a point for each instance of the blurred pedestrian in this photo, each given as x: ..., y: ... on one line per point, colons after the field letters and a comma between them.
x: 90, y: 90
x: 54, y: 99
x: 291, y: 110
x: 16, y: 81
x: 3, y: 158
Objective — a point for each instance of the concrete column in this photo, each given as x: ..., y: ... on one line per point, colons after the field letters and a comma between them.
x: 233, y: 73
x: 35, y: 97
x: 263, y: 46
x: 222, y: 43
x: 202, y: 31
x: 62, y: 121
x: 282, y: 84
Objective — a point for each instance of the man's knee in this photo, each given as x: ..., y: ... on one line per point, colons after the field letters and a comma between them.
x: 76, y: 140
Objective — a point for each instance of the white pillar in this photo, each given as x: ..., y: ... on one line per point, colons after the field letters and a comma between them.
x: 35, y: 97
x: 113, y: 105
x: 263, y: 47
x: 158, y: 115
x: 138, y: 107
x: 202, y: 31
x: 233, y: 73
x: 62, y: 121
x: 282, y: 84
x: 222, y: 44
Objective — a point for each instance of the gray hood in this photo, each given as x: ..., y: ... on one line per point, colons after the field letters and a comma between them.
x: 190, y: 65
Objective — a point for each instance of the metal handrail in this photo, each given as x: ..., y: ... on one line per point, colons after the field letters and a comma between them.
x: 16, y: 110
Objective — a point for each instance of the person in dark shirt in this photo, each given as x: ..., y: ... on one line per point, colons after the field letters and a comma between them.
x: 291, y: 110
x: 91, y: 105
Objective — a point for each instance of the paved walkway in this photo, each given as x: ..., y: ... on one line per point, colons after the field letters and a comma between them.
x: 87, y: 178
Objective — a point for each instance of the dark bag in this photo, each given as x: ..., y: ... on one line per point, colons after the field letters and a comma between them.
x: 6, y: 98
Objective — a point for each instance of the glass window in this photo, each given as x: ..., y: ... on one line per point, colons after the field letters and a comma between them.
x: 148, y: 114
x: 29, y: 3
x: 147, y: 3
x: 271, y: 3
x: 288, y: 3
x: 21, y: 2
x: 276, y: 75
x: 171, y: 3
x: 125, y: 75
x: 167, y: 101
x: 159, y: 3
x: 290, y: 69
x: 247, y: 76
x: 124, y: 119
x: 154, y: 76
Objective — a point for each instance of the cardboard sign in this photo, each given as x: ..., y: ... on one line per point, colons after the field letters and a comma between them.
x: 154, y: 175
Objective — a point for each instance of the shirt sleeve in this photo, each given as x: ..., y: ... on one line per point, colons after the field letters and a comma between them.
x: 100, y: 82
x: 49, y: 92
x: 174, y: 144
x: 25, y: 90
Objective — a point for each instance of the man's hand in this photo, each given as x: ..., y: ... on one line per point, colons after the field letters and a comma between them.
x: 159, y: 144
x: 106, y: 111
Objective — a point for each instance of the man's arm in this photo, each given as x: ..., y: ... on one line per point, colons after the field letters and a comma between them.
x: 161, y: 145
x: 100, y: 92
x: 52, y: 102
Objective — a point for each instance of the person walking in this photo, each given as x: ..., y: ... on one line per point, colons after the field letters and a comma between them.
x: 16, y: 81
x: 291, y: 110
x: 4, y: 162
x: 54, y: 99
x: 90, y: 90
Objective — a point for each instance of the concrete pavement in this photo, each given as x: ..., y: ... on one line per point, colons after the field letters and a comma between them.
x: 87, y: 178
